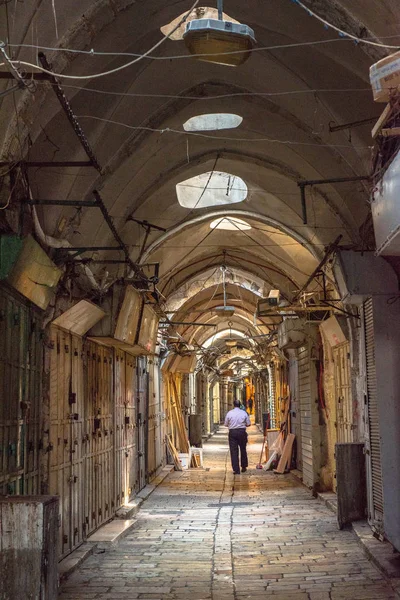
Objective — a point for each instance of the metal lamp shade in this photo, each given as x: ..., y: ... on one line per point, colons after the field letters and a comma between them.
x: 210, y: 40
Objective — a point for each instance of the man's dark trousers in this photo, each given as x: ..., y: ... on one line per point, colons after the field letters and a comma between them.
x: 238, y: 439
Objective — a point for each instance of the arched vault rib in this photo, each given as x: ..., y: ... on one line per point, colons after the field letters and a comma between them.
x: 240, y: 155
x: 247, y: 271
x: 223, y: 213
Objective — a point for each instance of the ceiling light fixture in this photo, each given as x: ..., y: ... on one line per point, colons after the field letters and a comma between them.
x: 224, y: 311
x: 210, y: 39
x: 230, y: 342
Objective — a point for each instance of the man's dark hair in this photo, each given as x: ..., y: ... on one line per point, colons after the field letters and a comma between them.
x: 236, y: 403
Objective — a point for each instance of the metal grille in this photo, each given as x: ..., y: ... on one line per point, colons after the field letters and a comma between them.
x: 306, y: 450
x: 20, y: 392
x: 124, y: 430
x: 344, y: 408
x: 374, y: 435
x: 142, y: 404
x: 154, y: 456
x: 271, y: 396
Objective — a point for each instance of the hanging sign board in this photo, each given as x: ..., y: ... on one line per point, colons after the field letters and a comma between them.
x: 128, y: 318
x: 147, y: 336
x: 80, y: 318
x: 34, y: 275
x: 332, y: 331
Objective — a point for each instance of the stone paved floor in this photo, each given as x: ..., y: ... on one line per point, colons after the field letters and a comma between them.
x: 207, y: 535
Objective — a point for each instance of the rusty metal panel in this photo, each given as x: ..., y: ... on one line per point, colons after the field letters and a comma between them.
x: 344, y: 403
x: 99, y: 429
x: 131, y: 464
x: 28, y: 547
x: 142, y: 404
x: 66, y: 436
x: 125, y: 425
x: 20, y: 392
x: 153, y: 416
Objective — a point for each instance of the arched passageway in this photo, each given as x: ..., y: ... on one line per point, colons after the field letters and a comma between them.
x: 177, y: 234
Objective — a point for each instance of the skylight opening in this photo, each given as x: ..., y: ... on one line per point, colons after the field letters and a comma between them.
x: 230, y: 224
x: 213, y: 122
x: 213, y: 188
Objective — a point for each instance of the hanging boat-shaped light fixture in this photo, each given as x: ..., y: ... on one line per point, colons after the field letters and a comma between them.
x: 225, y: 310
x: 210, y: 39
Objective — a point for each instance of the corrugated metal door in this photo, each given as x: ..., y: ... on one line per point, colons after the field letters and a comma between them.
x: 142, y: 403
x: 272, y: 401
x: 99, y: 429
x: 125, y: 424
x: 305, y: 415
x: 344, y: 407
x: 373, y: 443
x: 154, y: 441
x: 21, y: 370
x: 66, y: 435
x: 295, y: 409
x: 152, y: 424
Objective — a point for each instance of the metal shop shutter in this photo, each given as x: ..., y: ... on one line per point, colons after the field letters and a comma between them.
x: 21, y: 368
x: 125, y: 427
x: 67, y: 438
x: 344, y: 405
x: 374, y: 456
x: 305, y: 415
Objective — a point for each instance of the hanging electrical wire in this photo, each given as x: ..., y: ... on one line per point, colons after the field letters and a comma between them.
x: 92, y: 52
x: 341, y: 31
x: 116, y: 69
x: 214, y: 96
x: 220, y: 138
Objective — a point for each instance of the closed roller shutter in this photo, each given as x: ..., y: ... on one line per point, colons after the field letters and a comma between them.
x: 305, y: 415
x: 21, y: 372
x: 344, y: 405
x: 376, y: 509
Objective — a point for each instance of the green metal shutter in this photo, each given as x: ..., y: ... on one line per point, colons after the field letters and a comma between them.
x: 21, y: 368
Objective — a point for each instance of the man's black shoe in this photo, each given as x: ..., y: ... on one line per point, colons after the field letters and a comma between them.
x: 236, y: 472
x: 244, y: 469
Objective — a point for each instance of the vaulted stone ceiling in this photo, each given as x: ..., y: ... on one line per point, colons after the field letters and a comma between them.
x: 287, y: 98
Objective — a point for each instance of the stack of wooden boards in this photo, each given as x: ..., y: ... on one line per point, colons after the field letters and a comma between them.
x: 282, y: 447
x: 177, y: 441
x: 286, y: 456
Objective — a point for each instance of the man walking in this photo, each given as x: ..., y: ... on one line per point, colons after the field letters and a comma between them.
x: 237, y: 420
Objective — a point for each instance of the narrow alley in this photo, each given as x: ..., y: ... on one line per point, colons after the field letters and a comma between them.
x: 207, y: 534
x: 199, y: 232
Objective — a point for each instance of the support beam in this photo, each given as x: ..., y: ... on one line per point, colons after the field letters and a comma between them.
x: 303, y: 184
x: 330, y: 249
x: 47, y: 164
x: 187, y: 323
x: 76, y: 203
x: 32, y: 75
x: 136, y: 269
x: 94, y: 261
x: 70, y: 115
x: 147, y: 228
x: 89, y: 249
x: 351, y: 125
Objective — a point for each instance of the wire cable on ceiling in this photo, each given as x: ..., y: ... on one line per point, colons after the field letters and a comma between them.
x: 204, y: 55
x: 340, y: 31
x: 214, y: 97
x: 93, y: 52
x: 116, y: 69
x: 219, y: 138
